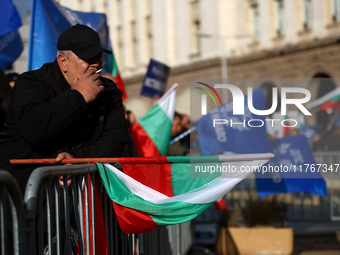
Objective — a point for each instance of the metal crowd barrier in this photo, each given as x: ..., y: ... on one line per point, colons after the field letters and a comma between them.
x: 12, y: 223
x: 55, y: 215
x: 61, y: 220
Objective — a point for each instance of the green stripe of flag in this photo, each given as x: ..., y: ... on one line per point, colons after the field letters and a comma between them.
x: 151, y: 122
x: 184, y: 178
x: 114, y: 68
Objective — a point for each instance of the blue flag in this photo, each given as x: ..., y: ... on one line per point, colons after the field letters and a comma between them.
x: 293, y: 169
x: 48, y: 20
x: 10, y: 41
x: 310, y: 131
x: 9, y: 17
x: 155, y: 80
x: 238, y: 134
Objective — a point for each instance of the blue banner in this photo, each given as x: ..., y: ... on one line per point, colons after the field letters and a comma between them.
x: 293, y: 169
x: 9, y: 17
x: 10, y: 41
x: 310, y: 132
x: 155, y: 80
x: 10, y: 48
x: 48, y: 20
x: 237, y: 135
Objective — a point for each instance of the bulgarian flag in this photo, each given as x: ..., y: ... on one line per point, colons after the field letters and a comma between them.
x: 151, y: 135
x: 330, y: 101
x: 331, y: 105
x: 115, y: 73
x: 286, y: 128
x: 161, y: 191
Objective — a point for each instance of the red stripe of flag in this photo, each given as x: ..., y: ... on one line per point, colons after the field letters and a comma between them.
x: 132, y: 221
x: 144, y: 145
x: 156, y: 176
x: 120, y: 85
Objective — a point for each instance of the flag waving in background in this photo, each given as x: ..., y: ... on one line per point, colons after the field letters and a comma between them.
x: 237, y: 138
x: 327, y: 101
x: 48, y: 20
x: 179, y: 189
x: 10, y: 41
x: 151, y: 134
x: 294, y: 155
x: 114, y: 71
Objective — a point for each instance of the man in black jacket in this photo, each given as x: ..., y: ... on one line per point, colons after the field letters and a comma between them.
x: 65, y: 109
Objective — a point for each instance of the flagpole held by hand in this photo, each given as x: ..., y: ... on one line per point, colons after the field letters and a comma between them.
x: 181, y: 136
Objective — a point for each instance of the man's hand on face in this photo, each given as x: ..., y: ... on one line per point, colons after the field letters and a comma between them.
x: 89, y: 84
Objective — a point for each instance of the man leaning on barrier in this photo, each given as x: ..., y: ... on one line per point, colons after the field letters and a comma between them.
x: 65, y: 109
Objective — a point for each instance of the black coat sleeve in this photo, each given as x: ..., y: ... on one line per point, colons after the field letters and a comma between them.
x: 39, y: 114
x: 114, y: 136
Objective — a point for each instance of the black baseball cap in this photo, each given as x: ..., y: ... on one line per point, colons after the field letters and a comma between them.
x: 82, y: 40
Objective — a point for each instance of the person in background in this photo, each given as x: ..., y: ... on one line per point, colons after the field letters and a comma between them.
x: 11, y: 78
x: 186, y: 125
x: 5, y: 95
x: 330, y: 140
x: 131, y: 118
x: 177, y: 149
x: 185, y: 122
x: 65, y: 109
x: 130, y: 149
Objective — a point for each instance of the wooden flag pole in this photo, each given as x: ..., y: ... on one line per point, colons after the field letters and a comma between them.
x: 38, y: 161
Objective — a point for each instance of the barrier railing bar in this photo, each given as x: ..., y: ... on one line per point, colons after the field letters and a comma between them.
x: 93, y: 202
x: 133, y: 241
x: 49, y: 223
x: 80, y: 208
x: 57, y: 201
x: 87, y: 217
x: 130, y: 244
x: 15, y: 223
x: 18, y: 217
x: 109, y: 248
x: 145, y: 243
x: 123, y: 238
x: 111, y: 224
x: 40, y: 224
x: 67, y: 216
x: 3, y: 227
x: 78, y: 219
x: 115, y: 230
x: 137, y: 244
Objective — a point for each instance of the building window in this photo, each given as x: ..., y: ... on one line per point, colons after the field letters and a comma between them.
x: 118, y: 11
x: 256, y: 21
x: 336, y: 10
x: 149, y: 36
x: 195, y: 27
x: 134, y: 43
x: 280, y: 17
x: 120, y: 47
x: 132, y: 10
x: 307, y: 14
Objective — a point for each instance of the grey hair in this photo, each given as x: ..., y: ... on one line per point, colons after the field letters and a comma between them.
x: 66, y: 53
